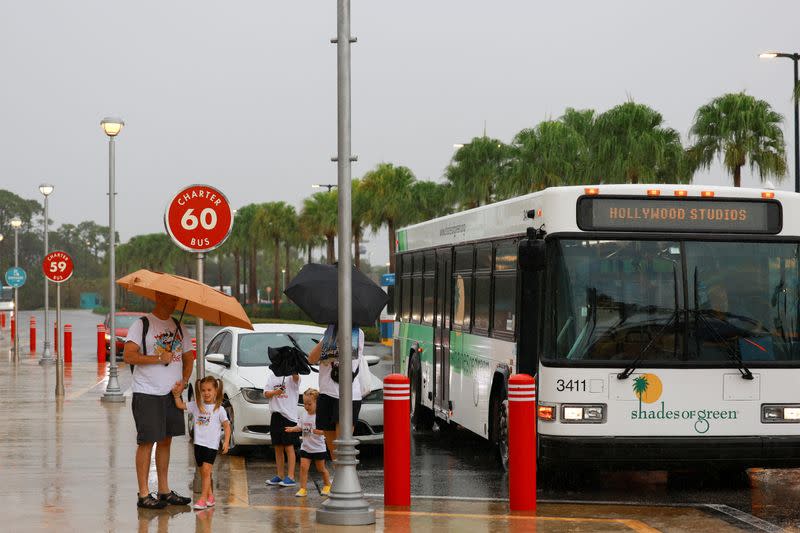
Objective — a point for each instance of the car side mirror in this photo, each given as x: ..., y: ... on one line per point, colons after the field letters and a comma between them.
x: 218, y: 359
x: 372, y: 360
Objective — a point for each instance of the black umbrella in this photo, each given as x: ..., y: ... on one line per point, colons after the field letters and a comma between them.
x: 315, y: 290
x: 288, y: 360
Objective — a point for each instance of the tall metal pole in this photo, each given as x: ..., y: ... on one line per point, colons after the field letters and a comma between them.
x: 795, y: 58
x: 47, y: 357
x: 113, y: 391
x: 346, y: 504
x: 60, y: 347
x: 15, y: 340
x: 200, y: 361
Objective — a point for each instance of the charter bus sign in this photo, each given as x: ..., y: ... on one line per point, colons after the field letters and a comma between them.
x: 199, y: 218
x: 686, y: 215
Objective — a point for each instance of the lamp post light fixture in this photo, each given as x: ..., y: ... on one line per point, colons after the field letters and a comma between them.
x: 16, y: 223
x: 47, y: 357
x: 795, y: 57
x: 112, y: 126
x: 328, y: 186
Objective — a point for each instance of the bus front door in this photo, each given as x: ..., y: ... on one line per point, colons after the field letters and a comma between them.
x: 441, y: 334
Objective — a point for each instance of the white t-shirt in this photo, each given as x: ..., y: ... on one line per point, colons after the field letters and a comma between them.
x: 157, y: 379
x: 311, y: 443
x: 285, y: 403
x: 208, y: 425
x: 329, y: 387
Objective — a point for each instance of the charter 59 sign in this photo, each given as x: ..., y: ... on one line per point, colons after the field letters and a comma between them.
x: 58, y: 266
x: 199, y: 218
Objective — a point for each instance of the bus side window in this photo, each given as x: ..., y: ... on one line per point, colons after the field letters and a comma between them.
x: 416, y: 289
x: 462, y: 287
x: 483, y: 291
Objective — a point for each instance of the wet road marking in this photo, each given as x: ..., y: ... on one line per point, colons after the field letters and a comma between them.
x: 741, y: 516
x: 237, y: 491
x: 635, y: 525
x: 450, y: 498
x: 80, y: 392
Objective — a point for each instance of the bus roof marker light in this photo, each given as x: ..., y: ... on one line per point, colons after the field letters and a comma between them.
x: 707, y: 194
x: 681, y: 192
x: 653, y: 192
x: 768, y: 195
x: 591, y: 191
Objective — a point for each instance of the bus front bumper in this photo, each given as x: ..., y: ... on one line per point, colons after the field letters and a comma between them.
x: 656, y: 453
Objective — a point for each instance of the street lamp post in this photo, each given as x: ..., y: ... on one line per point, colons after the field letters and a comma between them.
x: 283, y: 282
x: 328, y: 186
x: 16, y: 223
x: 47, y: 357
x: 112, y: 126
x: 795, y: 57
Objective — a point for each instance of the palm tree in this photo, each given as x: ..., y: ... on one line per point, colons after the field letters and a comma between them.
x: 322, y: 210
x: 272, y: 223
x: 739, y: 129
x: 244, y: 232
x: 359, y: 202
x: 640, y: 385
x: 388, y: 189
x: 631, y: 144
x: 553, y: 153
x: 430, y: 200
x: 476, y: 169
x: 308, y: 235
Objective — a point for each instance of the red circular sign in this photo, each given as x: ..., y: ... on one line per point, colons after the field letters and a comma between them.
x: 199, y: 218
x: 58, y: 266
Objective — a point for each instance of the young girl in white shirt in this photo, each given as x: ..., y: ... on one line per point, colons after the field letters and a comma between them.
x: 313, y: 446
x: 209, y: 419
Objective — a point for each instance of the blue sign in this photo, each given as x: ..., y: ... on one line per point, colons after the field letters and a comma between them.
x: 387, y: 280
x: 16, y: 277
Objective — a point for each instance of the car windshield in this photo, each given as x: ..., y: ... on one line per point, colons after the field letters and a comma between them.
x: 125, y: 321
x: 673, y: 301
x: 253, y: 346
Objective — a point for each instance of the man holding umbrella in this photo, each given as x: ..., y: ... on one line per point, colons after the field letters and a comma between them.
x: 158, y: 363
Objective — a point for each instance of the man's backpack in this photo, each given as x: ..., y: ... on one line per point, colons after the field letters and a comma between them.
x: 146, y: 326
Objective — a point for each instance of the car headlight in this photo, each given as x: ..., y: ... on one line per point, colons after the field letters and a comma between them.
x: 583, y: 414
x: 780, y: 414
x: 375, y: 396
x: 252, y: 395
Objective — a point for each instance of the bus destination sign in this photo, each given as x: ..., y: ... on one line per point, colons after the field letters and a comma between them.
x: 686, y: 215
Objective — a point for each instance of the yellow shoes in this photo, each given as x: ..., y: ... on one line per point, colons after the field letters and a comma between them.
x: 302, y: 493
x: 326, y: 490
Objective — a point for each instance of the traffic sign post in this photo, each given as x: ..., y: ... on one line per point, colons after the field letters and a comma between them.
x: 58, y: 268
x: 15, y: 277
x: 199, y: 219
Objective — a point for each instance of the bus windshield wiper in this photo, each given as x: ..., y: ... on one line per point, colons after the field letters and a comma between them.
x: 625, y: 374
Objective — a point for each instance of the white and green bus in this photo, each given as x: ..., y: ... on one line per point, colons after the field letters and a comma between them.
x: 661, y: 323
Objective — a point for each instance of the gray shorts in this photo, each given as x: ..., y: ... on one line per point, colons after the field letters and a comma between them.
x: 156, y: 417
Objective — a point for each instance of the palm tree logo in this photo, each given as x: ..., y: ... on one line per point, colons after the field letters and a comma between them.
x: 640, y: 385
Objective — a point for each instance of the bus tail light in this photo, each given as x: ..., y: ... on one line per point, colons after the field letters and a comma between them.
x: 583, y: 414
x: 781, y: 413
x: 547, y: 413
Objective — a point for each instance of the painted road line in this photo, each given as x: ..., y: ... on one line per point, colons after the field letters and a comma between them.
x: 750, y: 520
x: 446, y: 498
x: 74, y: 395
x: 237, y: 490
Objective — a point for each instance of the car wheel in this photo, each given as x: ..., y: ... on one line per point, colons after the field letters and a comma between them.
x: 501, y: 415
x: 233, y: 449
x: 421, y: 416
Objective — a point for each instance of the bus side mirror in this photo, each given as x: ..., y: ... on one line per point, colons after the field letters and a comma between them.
x: 532, y: 255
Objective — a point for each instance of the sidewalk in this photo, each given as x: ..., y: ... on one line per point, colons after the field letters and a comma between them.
x: 68, y: 465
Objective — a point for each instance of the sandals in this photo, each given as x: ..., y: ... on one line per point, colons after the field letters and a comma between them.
x: 151, y: 502
x: 172, y: 498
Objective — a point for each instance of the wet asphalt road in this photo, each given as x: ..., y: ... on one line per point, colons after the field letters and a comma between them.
x: 455, y: 463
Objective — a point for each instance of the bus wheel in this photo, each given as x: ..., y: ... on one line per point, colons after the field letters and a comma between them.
x: 421, y: 416
x: 501, y: 416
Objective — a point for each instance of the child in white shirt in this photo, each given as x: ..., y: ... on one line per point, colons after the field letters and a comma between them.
x: 283, y: 393
x: 313, y: 446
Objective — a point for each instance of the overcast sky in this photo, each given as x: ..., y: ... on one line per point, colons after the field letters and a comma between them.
x: 242, y: 94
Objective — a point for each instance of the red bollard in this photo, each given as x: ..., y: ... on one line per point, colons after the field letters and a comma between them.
x: 67, y: 343
x: 396, y: 440
x: 14, y: 328
x: 194, y: 348
x: 32, y: 334
x: 101, y: 343
x: 522, y: 442
x: 3, y: 320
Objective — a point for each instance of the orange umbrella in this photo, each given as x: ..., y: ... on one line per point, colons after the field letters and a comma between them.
x: 198, y: 299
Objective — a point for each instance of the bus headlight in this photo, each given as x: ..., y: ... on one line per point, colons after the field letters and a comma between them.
x: 783, y: 413
x: 583, y: 413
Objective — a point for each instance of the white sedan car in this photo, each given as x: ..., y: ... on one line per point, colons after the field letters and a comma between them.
x: 239, y: 358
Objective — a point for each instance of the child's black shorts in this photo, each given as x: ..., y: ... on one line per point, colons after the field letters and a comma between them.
x: 203, y: 454
x: 277, y: 431
x: 314, y: 456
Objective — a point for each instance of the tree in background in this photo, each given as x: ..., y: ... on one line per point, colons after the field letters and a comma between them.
x: 321, y: 210
x: 359, y: 207
x: 476, y: 170
x: 739, y: 129
x: 430, y: 200
x: 388, y: 189
x: 631, y: 144
x: 273, y: 221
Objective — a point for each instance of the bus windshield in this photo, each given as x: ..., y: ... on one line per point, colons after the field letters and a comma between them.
x: 672, y: 301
